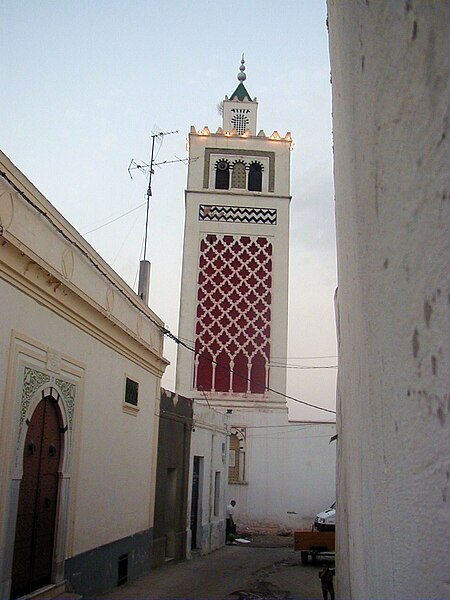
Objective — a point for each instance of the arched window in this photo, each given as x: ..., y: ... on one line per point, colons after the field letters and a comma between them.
x: 238, y: 176
x: 236, y: 468
x: 255, y: 177
x: 222, y: 175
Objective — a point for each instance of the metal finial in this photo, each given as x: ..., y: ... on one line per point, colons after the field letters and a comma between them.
x: 241, y: 75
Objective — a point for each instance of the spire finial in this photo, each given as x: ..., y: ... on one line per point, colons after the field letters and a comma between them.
x: 241, y: 75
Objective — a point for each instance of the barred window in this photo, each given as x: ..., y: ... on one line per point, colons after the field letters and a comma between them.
x: 240, y: 123
x: 239, y: 176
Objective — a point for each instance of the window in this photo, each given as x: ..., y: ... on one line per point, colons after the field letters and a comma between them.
x: 236, y: 465
x: 222, y: 175
x: 255, y: 177
x: 131, y: 392
x: 239, y: 175
x: 217, y: 494
x: 240, y: 123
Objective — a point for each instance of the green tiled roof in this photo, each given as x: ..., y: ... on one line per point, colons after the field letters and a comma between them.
x: 240, y: 92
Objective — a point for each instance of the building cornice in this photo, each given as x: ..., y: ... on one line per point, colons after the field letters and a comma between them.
x: 45, y: 257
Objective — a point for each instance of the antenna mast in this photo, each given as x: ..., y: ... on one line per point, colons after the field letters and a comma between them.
x: 144, y: 265
x: 161, y: 134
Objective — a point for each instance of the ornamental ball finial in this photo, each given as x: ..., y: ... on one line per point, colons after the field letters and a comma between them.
x: 241, y: 75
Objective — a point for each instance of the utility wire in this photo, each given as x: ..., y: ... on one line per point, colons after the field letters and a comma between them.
x: 277, y: 358
x: 116, y: 219
x: 269, y: 389
x: 303, y: 367
x: 275, y: 363
x: 163, y: 329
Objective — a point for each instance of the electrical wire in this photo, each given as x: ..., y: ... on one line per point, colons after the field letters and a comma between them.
x: 266, y: 388
x: 125, y: 239
x: 163, y: 329
x: 115, y: 219
x: 302, y: 367
x: 277, y: 358
x: 276, y: 364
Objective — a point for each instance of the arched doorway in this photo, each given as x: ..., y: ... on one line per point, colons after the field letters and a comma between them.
x: 38, y: 500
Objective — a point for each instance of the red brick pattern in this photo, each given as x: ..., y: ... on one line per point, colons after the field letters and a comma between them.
x: 234, y: 298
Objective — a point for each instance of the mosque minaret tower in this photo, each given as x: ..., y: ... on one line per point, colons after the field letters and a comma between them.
x: 233, y: 314
x: 234, y: 287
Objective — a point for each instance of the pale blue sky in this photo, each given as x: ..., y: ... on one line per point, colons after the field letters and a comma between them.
x: 84, y: 83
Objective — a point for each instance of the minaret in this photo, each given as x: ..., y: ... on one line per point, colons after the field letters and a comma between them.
x: 234, y: 288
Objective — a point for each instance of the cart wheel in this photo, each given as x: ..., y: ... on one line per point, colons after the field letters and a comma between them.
x: 304, y: 558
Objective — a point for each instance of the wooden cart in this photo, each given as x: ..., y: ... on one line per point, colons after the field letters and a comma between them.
x: 314, y: 543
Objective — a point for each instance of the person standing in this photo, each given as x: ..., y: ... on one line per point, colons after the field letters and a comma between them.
x: 326, y: 579
x: 230, y: 524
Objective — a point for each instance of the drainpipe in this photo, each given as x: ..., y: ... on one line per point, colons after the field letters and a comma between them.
x: 211, y: 492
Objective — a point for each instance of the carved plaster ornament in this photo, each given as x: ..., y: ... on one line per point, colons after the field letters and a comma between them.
x: 110, y: 298
x: 67, y: 264
x: 53, y: 360
x: 6, y: 207
x: 139, y: 326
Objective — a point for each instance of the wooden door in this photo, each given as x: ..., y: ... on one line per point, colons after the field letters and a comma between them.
x: 38, y: 498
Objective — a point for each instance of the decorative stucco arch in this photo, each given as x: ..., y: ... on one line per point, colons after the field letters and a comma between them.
x: 35, y: 383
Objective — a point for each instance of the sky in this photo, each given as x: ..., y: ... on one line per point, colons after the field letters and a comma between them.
x: 84, y: 85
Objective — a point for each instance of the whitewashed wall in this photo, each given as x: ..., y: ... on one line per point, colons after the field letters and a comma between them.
x: 390, y: 73
x: 290, y: 471
x: 209, y: 440
x: 80, y: 329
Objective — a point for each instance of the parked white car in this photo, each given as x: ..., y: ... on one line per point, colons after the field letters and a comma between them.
x: 326, y: 520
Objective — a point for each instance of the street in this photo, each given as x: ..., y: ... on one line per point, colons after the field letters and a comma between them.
x: 234, y: 572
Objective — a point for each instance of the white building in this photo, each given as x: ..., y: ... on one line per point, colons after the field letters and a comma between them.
x: 80, y: 364
x: 208, y: 476
x: 233, y: 311
x: 391, y: 71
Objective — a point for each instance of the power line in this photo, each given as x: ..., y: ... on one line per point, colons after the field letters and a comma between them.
x: 304, y: 357
x: 116, y: 219
x: 269, y: 389
x: 163, y: 329
x: 277, y: 364
x: 301, y: 425
x: 304, y: 367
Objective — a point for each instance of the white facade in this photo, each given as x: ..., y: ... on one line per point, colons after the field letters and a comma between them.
x: 290, y: 471
x: 390, y: 72
x: 233, y: 313
x: 73, y: 331
x: 209, y: 450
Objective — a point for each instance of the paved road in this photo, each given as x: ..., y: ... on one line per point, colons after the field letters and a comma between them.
x: 231, y: 573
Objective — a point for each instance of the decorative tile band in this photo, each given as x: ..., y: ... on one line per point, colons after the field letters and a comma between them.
x: 237, y: 214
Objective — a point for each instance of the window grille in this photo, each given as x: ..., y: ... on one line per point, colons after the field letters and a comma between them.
x: 239, y: 176
x: 240, y: 123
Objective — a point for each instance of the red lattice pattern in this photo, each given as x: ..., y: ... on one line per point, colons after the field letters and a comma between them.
x: 234, y: 300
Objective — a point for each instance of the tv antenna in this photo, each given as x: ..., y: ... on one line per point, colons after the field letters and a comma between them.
x: 149, y: 170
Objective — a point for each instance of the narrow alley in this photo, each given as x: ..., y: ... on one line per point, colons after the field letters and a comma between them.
x: 231, y: 573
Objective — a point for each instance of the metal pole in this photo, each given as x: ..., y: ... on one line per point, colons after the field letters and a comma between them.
x: 149, y: 193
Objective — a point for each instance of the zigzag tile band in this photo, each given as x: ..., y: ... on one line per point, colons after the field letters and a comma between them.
x: 236, y: 214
